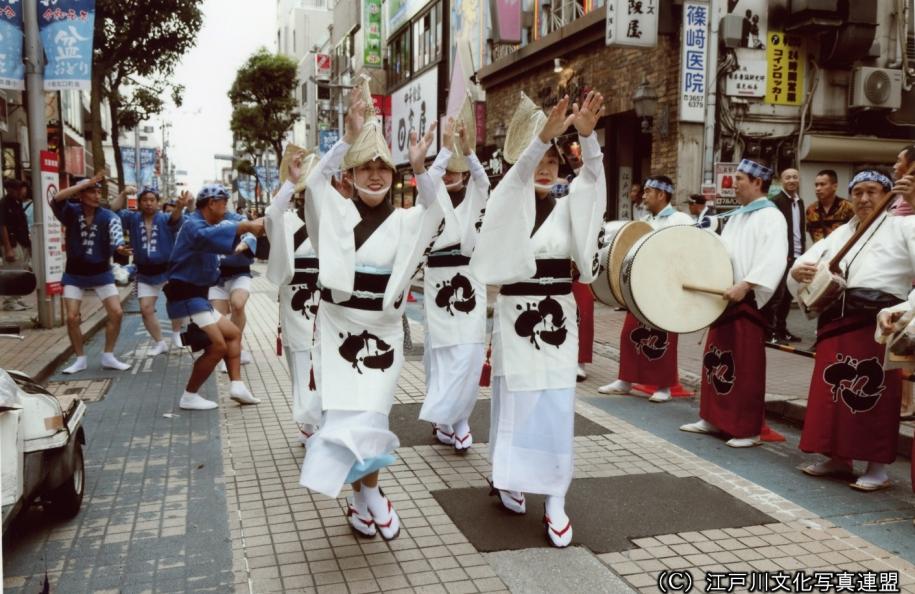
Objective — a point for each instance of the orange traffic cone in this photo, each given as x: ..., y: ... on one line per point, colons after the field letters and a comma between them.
x: 769, y: 434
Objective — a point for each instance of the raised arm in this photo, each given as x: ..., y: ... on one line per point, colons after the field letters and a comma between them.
x: 74, y: 190
x: 181, y: 205
x: 120, y: 201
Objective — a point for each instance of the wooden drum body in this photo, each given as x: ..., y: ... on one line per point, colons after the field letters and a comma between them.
x: 659, y: 266
x: 618, y: 238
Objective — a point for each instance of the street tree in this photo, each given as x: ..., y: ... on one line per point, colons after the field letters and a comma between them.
x: 136, y: 40
x: 263, y: 102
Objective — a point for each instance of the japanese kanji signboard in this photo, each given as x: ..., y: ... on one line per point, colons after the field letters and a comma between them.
x: 66, y: 28
x: 372, y: 17
x: 693, y: 61
x: 785, y: 58
x: 632, y: 22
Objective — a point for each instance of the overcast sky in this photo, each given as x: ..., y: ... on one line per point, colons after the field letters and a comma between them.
x: 232, y: 31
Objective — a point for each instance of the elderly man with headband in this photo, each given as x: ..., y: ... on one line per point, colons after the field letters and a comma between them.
x: 853, y: 405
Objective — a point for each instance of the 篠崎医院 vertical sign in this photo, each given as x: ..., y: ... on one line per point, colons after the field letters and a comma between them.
x: 785, y: 69
x: 12, y: 68
x: 694, y: 61
x: 66, y: 28
x: 632, y: 22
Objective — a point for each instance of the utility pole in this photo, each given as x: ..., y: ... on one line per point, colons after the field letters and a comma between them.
x: 38, y: 141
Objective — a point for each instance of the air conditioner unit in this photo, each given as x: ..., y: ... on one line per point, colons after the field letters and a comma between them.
x: 875, y: 88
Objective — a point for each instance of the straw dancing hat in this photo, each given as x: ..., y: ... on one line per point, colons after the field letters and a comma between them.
x: 465, y: 117
x: 370, y: 144
x: 526, y: 122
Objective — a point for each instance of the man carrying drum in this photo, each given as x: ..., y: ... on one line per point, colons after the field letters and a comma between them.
x: 734, y: 362
x: 648, y: 355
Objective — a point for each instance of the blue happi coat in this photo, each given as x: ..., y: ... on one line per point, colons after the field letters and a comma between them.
x: 89, y: 246
x: 195, y: 257
x: 152, y: 249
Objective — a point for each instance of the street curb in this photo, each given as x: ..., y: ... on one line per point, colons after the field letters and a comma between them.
x: 52, y: 359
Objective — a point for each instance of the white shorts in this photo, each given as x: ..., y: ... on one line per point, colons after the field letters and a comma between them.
x: 204, y: 318
x: 144, y: 290
x: 222, y: 291
x: 103, y: 291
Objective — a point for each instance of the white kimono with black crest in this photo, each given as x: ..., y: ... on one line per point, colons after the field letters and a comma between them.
x: 358, y: 353
x: 455, y: 306
x: 535, y: 339
x: 293, y: 269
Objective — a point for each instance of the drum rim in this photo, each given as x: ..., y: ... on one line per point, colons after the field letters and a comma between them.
x: 621, y: 297
x: 628, y: 262
x: 601, y: 276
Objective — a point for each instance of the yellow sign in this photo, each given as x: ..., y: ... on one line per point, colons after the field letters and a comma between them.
x: 785, y: 59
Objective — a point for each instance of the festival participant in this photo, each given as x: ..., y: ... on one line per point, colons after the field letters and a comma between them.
x: 734, y: 362
x: 455, y: 304
x: 704, y: 216
x: 853, y: 405
x: 293, y: 267
x: 193, y: 269
x: 527, y: 245
x: 648, y: 355
x: 368, y: 251
x: 94, y: 234
x: 152, y: 237
x: 230, y: 294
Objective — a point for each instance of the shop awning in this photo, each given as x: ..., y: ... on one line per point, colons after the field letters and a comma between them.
x: 850, y: 149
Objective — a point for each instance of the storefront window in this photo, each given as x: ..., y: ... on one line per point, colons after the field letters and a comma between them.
x: 427, y: 38
x: 400, y: 62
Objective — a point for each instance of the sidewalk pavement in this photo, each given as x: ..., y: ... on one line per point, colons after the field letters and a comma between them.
x: 42, y: 350
x: 787, y: 374
x: 174, y: 504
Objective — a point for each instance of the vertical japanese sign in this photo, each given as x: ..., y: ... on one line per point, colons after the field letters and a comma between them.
x: 507, y: 20
x: 413, y: 107
x: 785, y: 80
x: 269, y: 178
x: 693, y: 61
x: 632, y: 22
x: 53, y: 232
x: 66, y: 28
x: 372, y: 17
x: 12, y: 69
x: 726, y: 185
x: 322, y: 66
x: 147, y: 167
x: 326, y: 140
x: 129, y: 163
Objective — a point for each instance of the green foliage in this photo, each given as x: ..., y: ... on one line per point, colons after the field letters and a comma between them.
x: 245, y: 167
x: 263, y: 102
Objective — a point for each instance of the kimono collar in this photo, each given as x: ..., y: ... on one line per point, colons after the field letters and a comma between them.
x: 666, y: 212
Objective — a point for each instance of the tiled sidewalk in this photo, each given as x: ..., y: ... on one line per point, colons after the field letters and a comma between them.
x: 287, y: 539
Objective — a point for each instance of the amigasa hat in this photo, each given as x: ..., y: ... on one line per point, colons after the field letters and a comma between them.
x: 465, y: 117
x: 527, y: 121
x: 370, y: 144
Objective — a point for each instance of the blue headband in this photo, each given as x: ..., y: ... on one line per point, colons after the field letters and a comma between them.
x: 659, y: 185
x: 755, y: 169
x: 870, y: 175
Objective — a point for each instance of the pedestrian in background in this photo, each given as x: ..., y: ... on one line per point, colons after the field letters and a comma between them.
x: 829, y: 211
x: 14, y: 233
x: 904, y: 160
x: 792, y: 208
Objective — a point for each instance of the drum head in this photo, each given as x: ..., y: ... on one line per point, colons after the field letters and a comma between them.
x: 600, y: 286
x: 620, y: 244
x: 657, y: 267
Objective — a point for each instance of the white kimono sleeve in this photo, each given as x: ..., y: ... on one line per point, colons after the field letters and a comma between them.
x: 331, y: 219
x: 587, y: 201
x: 770, y: 251
x: 420, y: 227
x: 280, y: 233
x: 504, y: 252
x: 477, y: 194
x: 812, y: 256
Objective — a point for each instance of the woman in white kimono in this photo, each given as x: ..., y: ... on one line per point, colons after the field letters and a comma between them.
x: 293, y: 267
x: 527, y: 244
x: 455, y: 301
x: 368, y: 252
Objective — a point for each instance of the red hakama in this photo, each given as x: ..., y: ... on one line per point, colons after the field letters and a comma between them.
x: 585, y: 302
x: 734, y: 371
x: 853, y: 404
x: 647, y: 355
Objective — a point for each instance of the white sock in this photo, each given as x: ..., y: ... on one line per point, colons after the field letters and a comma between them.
x: 875, y: 473
x: 78, y: 365
x: 374, y: 501
x: 462, y: 427
x: 109, y: 360
x: 445, y: 428
x: 159, y: 348
x: 556, y: 511
x: 360, y: 503
x: 237, y: 386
